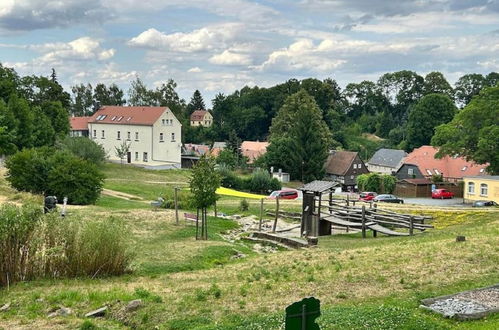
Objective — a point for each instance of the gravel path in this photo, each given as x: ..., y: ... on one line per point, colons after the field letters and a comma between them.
x: 450, y: 307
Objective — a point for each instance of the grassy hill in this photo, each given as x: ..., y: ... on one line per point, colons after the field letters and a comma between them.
x: 373, y: 283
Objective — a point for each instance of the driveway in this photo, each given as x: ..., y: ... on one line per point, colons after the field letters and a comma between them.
x: 434, y: 202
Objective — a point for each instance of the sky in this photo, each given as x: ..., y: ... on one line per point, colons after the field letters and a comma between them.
x: 223, y: 45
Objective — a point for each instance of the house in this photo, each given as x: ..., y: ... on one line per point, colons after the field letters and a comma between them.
x: 280, y: 175
x: 152, y: 133
x: 253, y: 149
x: 195, y: 149
x: 201, y: 118
x: 344, y: 167
x: 423, y: 187
x: 483, y: 187
x: 217, y: 148
x: 79, y: 126
x: 421, y: 163
x: 386, y: 161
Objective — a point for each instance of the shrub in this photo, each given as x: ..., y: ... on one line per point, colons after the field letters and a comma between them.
x: 184, y: 200
x: 243, y: 205
x: 83, y: 148
x: 388, y: 183
x: 47, y: 171
x: 229, y: 179
x: 262, y: 182
x: 34, y: 245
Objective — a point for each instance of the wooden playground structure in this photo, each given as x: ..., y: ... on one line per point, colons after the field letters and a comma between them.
x: 319, y: 216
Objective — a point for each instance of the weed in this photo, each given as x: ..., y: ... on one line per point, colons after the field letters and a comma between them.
x: 88, y: 325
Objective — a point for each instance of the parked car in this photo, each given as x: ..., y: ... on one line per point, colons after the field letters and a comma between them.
x: 441, y: 194
x: 367, y: 196
x: 484, y: 203
x: 388, y: 199
x: 284, y: 194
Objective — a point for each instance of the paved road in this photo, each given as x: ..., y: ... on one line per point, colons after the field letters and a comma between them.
x: 435, y: 202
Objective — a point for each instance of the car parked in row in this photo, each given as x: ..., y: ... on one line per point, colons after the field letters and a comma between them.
x: 367, y: 196
x: 442, y: 194
x: 284, y: 194
x: 387, y: 198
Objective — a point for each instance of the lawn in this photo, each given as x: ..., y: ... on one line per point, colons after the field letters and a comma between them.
x: 373, y: 283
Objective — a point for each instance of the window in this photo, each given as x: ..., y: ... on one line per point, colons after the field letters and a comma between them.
x: 471, y: 187
x: 128, y: 136
x: 359, y: 166
x: 95, y: 133
x: 160, y: 137
x: 171, y: 121
x: 119, y: 118
x: 145, y: 156
x: 429, y: 172
x: 436, y: 171
x: 410, y: 171
x: 136, y: 156
x: 163, y: 122
x: 484, y: 189
x: 129, y: 118
x: 114, y: 117
x: 354, y: 166
x: 119, y: 135
x: 352, y: 177
x: 464, y: 168
x: 482, y: 170
x: 102, y: 134
x: 136, y: 136
x: 173, y: 137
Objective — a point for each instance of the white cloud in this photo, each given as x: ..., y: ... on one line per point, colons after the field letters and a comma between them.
x: 82, y: 49
x: 206, y: 38
x: 195, y: 69
x: 228, y: 57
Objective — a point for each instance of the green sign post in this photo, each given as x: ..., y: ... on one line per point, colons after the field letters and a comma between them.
x: 301, y: 315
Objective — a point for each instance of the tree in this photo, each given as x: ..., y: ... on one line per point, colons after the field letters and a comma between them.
x: 58, y: 116
x: 300, y: 132
x: 83, y: 148
x: 122, y: 150
x: 166, y: 96
x: 9, y: 83
x: 432, y: 110
x: 468, y: 86
x: 25, y: 121
x: 196, y: 103
x: 364, y: 98
x: 44, y: 133
x: 492, y: 79
x: 204, y: 182
x: 139, y: 94
x: 8, y: 123
x: 474, y: 131
x: 108, y: 96
x: 82, y: 101
x: 435, y: 82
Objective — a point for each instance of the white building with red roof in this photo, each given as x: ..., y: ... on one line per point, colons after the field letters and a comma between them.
x: 152, y: 133
x: 79, y: 126
x: 201, y: 118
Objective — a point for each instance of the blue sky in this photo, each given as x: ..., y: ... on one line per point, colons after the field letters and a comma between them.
x: 222, y: 45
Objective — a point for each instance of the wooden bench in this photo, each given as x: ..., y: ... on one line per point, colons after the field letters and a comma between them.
x: 190, y: 216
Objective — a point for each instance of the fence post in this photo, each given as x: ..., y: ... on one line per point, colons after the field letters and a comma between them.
x: 176, y: 206
x: 348, y: 200
x: 411, y: 226
x: 363, y: 221
x: 215, y: 206
x: 261, y: 215
x: 276, y: 214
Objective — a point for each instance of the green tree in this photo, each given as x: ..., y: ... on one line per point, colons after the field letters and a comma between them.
x: 83, y: 148
x: 108, y: 96
x: 303, y: 134
x: 58, y: 116
x: 9, y: 124
x: 25, y: 121
x: 204, y: 182
x: 196, y: 103
x: 166, y: 96
x: 122, y: 150
x: 468, y: 86
x: 9, y: 83
x: 474, y: 131
x: 364, y: 98
x: 435, y: 82
x: 140, y: 95
x: 492, y: 79
x: 82, y: 101
x: 432, y: 110
x: 44, y: 133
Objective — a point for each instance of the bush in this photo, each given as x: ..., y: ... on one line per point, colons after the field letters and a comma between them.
x: 83, y: 148
x: 262, y: 182
x: 34, y: 245
x: 243, y: 205
x: 184, y: 200
x: 377, y: 183
x: 388, y: 183
x: 229, y: 179
x: 50, y: 172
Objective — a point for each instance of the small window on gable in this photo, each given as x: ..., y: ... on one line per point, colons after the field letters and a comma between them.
x: 410, y: 171
x: 163, y: 122
x: 354, y: 166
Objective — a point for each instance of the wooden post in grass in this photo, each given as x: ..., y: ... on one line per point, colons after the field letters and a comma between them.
x: 276, y: 213
x: 261, y: 215
x: 363, y: 221
x: 348, y: 200
x: 176, y: 206
x: 215, y: 206
x: 197, y: 223
x: 411, y: 225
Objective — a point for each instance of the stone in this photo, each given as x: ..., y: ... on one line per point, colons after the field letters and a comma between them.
x: 5, y: 307
x: 63, y: 311
x: 238, y: 255
x: 134, y: 305
x: 460, y: 238
x: 97, y: 313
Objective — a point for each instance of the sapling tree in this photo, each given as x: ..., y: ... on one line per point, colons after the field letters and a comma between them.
x: 204, y: 182
x: 122, y: 150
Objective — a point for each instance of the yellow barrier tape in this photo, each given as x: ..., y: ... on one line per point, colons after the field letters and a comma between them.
x: 235, y: 193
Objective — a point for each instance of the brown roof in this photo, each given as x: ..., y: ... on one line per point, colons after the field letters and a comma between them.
x: 128, y: 115
x: 417, y: 182
x: 450, y: 167
x: 198, y: 115
x: 253, y: 149
x: 79, y: 123
x: 338, y: 162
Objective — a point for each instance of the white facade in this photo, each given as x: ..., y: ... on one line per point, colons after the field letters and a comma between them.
x: 381, y: 169
x: 160, y: 142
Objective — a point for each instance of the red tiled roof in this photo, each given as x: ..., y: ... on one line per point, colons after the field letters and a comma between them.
x: 128, y: 115
x: 450, y: 167
x: 339, y: 161
x: 253, y: 149
x: 79, y: 123
x: 198, y: 115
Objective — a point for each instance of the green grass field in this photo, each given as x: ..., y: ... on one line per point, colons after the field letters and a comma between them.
x: 373, y: 283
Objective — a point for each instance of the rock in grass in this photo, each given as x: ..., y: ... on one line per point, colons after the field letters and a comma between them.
x: 97, y: 313
x: 63, y: 311
x: 134, y: 305
x: 5, y: 307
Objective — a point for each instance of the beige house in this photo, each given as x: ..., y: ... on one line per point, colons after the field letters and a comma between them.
x: 201, y: 118
x: 153, y: 134
x: 482, y: 187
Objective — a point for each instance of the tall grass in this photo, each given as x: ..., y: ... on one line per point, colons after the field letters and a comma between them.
x: 34, y: 245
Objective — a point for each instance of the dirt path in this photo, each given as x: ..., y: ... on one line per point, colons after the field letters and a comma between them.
x: 122, y: 195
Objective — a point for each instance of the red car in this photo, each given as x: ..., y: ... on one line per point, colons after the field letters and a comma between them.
x: 367, y: 196
x: 284, y: 194
x: 441, y: 193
